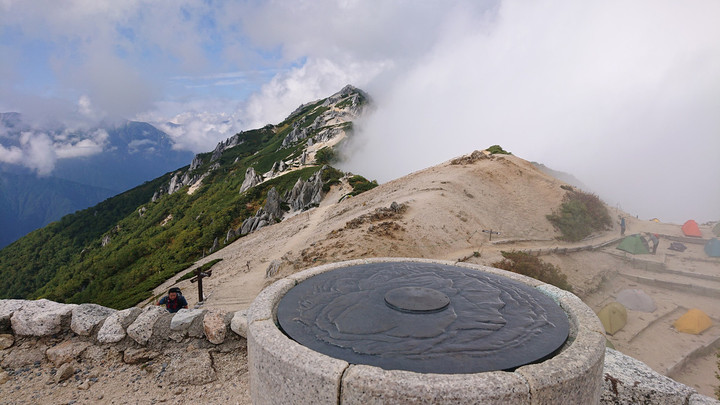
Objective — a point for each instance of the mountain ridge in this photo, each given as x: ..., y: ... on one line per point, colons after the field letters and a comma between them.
x: 152, y: 231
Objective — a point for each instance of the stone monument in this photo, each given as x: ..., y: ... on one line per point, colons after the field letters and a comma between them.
x: 421, y: 331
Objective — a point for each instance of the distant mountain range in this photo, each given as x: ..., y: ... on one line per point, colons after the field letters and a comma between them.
x: 134, y: 152
x: 29, y: 202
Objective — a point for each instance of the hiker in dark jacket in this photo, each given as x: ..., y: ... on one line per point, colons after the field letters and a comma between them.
x: 655, y: 242
x: 174, y: 301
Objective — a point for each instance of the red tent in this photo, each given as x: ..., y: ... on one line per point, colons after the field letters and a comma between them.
x: 690, y: 228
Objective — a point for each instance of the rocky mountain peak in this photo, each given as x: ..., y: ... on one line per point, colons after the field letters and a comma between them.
x: 309, y: 128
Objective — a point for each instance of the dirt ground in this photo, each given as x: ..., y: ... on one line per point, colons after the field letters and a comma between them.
x: 441, y: 213
x: 447, y: 208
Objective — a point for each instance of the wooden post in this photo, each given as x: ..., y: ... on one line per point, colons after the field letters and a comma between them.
x: 199, y: 280
x: 199, y: 275
x: 491, y: 232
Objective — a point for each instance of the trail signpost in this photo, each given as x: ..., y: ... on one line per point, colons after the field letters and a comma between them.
x: 491, y: 232
x: 199, y: 276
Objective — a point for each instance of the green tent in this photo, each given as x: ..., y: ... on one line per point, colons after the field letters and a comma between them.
x: 613, y: 317
x: 634, y: 244
x: 712, y: 248
x: 716, y: 229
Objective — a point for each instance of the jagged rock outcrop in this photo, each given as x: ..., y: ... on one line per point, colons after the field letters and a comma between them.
x: 175, y: 183
x: 251, y: 179
x: 272, y: 212
x: 306, y: 194
x: 278, y: 167
x: 196, y: 162
x: 340, y: 108
x: 303, y: 195
x: 301, y: 131
x: 222, y: 146
x: 215, y: 246
x: 187, y: 179
x: 356, y: 102
x: 273, y: 205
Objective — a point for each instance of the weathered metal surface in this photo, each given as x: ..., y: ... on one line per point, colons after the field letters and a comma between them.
x: 423, y: 317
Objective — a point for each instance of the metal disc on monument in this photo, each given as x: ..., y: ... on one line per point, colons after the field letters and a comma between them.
x: 423, y: 317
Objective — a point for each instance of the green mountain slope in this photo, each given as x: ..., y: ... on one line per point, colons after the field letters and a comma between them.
x: 29, y: 202
x: 114, y: 253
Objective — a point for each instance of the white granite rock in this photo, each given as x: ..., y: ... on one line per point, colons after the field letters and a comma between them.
x: 86, y: 316
x: 8, y: 307
x: 141, y: 330
x: 630, y: 381
x: 40, y: 318
x: 239, y: 323
x: 698, y: 399
x: 214, y: 326
x: 113, y: 329
x: 183, y: 318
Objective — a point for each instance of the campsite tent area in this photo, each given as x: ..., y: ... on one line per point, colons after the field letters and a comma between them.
x: 712, y: 248
x: 634, y: 244
x: 613, y: 317
x: 637, y: 300
x: 694, y: 321
x: 691, y: 228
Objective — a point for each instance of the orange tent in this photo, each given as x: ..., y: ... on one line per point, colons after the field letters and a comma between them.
x: 690, y: 228
x: 694, y: 321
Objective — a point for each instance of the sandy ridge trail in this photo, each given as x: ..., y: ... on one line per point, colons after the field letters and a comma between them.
x: 446, y: 208
x: 304, y: 225
x: 240, y: 276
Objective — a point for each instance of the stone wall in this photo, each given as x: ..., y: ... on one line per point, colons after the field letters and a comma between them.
x: 43, y: 318
x: 42, y: 331
x: 140, y: 334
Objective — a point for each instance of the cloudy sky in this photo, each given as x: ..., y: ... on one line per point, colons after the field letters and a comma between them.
x: 624, y: 95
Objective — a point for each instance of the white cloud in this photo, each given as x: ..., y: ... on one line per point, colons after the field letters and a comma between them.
x: 614, y: 92
x: 315, y: 79
x: 617, y: 94
x: 38, y: 153
x: 198, y: 130
x: 141, y: 145
x: 78, y: 147
x: 11, y: 154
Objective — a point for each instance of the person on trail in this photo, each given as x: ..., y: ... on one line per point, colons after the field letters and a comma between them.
x: 655, y: 241
x: 622, y: 226
x: 174, y: 301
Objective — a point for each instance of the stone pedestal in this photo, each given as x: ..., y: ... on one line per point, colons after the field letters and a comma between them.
x: 283, y: 371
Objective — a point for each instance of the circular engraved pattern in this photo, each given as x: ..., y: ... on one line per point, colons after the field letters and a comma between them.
x: 416, y: 300
x: 490, y: 323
